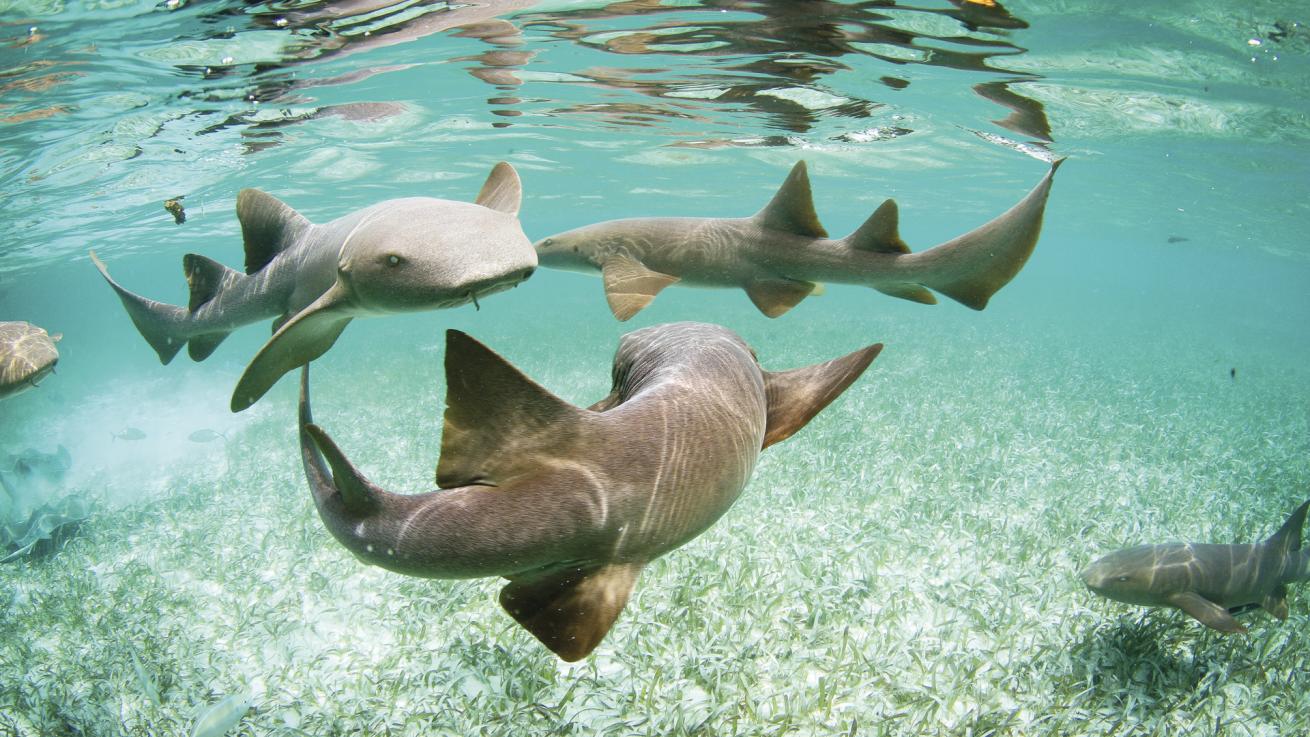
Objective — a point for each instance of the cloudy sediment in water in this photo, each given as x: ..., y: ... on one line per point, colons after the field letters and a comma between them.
x: 904, y: 565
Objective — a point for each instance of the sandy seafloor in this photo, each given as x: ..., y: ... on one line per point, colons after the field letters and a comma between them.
x: 905, y: 565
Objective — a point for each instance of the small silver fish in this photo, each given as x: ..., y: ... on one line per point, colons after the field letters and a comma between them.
x: 221, y: 717
x: 131, y: 433
x: 205, y: 436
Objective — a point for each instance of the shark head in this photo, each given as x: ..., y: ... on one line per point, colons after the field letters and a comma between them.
x: 420, y: 253
x: 573, y: 250
x: 1128, y: 575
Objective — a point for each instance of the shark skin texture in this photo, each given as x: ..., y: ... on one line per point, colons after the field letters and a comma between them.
x: 402, y: 255
x: 569, y: 504
x: 782, y: 254
x: 1208, y: 582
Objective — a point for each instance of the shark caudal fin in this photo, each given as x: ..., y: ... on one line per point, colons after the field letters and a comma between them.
x: 162, y: 325
x: 968, y: 269
x: 795, y: 397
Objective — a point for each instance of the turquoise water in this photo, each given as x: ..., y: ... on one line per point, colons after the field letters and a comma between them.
x: 904, y: 565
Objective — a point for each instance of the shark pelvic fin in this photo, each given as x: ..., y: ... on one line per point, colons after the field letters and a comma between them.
x: 268, y: 226
x: 205, y: 277
x: 502, y: 191
x: 160, y: 324
x: 905, y: 290
x: 359, y: 495
x: 1206, y: 612
x: 1276, y: 602
x: 630, y: 286
x: 570, y: 611
x: 1288, y: 537
x: 792, y: 209
x: 880, y: 233
x: 498, y: 422
x: 774, y: 297
x: 795, y: 397
x: 303, y: 338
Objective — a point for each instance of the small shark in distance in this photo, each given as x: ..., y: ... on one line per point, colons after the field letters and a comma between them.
x: 783, y: 254
x: 567, y: 503
x: 400, y: 255
x: 1208, y: 582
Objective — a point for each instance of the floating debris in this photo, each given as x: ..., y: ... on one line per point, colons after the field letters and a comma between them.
x: 174, y: 207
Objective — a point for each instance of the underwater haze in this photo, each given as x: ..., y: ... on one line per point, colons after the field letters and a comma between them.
x: 905, y: 565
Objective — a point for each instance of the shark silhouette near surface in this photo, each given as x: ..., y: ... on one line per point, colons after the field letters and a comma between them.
x: 782, y: 254
x: 1209, y: 582
x: 567, y: 503
x: 401, y: 255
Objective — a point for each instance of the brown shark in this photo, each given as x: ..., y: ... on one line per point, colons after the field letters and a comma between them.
x: 567, y: 503
x: 1208, y: 582
x: 401, y: 255
x: 782, y: 254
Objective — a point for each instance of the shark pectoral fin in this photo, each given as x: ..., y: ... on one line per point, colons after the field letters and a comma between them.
x: 1206, y: 612
x: 792, y: 208
x: 570, y: 610
x: 795, y: 397
x: 912, y: 292
x: 358, y: 494
x: 502, y: 191
x: 498, y: 422
x: 630, y: 286
x: 774, y: 297
x: 303, y: 338
x: 269, y: 226
x: 1276, y: 602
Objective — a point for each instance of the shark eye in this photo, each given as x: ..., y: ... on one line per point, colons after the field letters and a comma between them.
x: 1122, y: 579
x: 394, y: 260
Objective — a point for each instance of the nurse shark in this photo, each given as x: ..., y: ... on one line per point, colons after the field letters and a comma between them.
x: 567, y: 503
x: 1208, y: 582
x: 782, y: 254
x: 401, y: 255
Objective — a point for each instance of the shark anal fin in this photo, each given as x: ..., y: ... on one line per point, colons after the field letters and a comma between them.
x: 303, y: 338
x: 1276, y: 602
x: 881, y: 232
x: 200, y: 347
x: 502, y: 191
x: 630, y: 286
x: 205, y: 277
x: 792, y: 208
x: 795, y: 397
x: 912, y: 292
x: 570, y: 610
x: 268, y: 227
x: 1206, y: 612
x: 774, y: 297
x: 498, y: 422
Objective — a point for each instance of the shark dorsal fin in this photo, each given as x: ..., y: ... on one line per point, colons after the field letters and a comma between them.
x: 1288, y: 537
x: 502, y: 191
x: 792, y: 209
x: 795, y: 397
x: 499, y: 424
x: 571, y: 610
x: 268, y: 226
x: 880, y: 233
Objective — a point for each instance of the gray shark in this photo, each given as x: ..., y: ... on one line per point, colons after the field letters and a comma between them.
x: 27, y: 355
x: 782, y: 254
x: 1208, y: 582
x: 401, y: 255
x: 567, y: 503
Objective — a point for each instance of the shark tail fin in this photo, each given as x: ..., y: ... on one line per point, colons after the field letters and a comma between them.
x: 971, y: 268
x: 499, y: 423
x: 160, y: 324
x: 1288, y: 538
x: 796, y: 396
x: 268, y: 227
